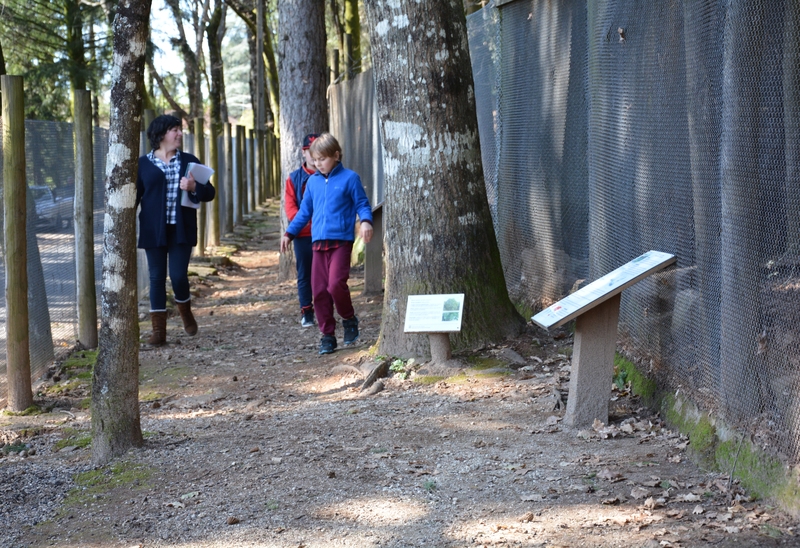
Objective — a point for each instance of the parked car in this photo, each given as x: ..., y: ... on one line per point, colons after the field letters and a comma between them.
x: 51, y: 210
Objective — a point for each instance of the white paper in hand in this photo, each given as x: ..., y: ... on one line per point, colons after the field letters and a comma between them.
x: 202, y: 174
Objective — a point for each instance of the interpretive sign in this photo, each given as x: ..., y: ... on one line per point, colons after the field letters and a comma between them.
x: 603, y: 289
x: 434, y: 313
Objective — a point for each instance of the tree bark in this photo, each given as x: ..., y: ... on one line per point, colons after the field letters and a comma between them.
x: 215, y: 99
x: 439, y: 232
x: 84, y: 220
x: 115, y: 380
x: 20, y: 395
x: 302, y: 73
x: 352, y: 26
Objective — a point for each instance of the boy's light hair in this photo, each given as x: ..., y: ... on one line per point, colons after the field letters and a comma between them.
x: 326, y: 146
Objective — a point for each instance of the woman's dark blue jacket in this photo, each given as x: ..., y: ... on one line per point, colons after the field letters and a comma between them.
x: 151, y: 194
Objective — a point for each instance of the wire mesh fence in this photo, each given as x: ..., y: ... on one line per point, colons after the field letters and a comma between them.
x: 621, y: 126
x: 52, y: 298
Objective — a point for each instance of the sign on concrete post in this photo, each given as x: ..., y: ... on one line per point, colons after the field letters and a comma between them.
x: 595, y: 309
x: 436, y: 315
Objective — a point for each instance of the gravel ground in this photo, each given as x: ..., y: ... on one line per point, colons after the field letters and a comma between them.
x: 252, y: 439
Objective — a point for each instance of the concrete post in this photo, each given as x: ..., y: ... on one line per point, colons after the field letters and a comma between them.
x: 593, y: 364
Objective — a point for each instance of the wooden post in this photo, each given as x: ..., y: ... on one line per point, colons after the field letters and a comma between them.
x: 200, y: 152
x: 84, y: 220
x: 276, y: 166
x: 239, y: 203
x: 259, y: 169
x: 269, y: 147
x: 149, y: 116
x: 251, y: 172
x: 348, y: 57
x: 213, y: 208
x: 20, y: 395
x: 334, y: 66
x: 373, y: 255
x: 227, y: 147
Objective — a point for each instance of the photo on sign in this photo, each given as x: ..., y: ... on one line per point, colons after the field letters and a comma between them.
x: 450, y: 310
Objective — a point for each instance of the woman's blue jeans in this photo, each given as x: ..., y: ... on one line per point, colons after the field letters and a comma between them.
x: 177, y: 257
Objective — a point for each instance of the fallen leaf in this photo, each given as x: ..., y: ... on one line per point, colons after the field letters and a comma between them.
x: 610, y: 501
x: 698, y: 510
x: 191, y: 495
x: 687, y: 497
x: 639, y: 493
x: 175, y: 504
x: 232, y: 520
x: 732, y: 530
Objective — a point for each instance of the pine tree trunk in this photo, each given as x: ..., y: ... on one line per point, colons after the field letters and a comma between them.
x: 439, y: 234
x: 115, y: 381
x: 303, y: 81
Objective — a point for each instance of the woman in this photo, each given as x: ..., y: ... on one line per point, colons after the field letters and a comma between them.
x: 167, y: 229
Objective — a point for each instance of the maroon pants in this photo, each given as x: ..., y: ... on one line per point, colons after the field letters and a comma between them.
x: 329, y: 273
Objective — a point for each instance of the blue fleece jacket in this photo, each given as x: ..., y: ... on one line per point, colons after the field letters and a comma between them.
x: 331, y: 203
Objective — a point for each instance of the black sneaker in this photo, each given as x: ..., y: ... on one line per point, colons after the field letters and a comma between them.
x: 308, y: 318
x: 327, y: 344
x: 350, y: 330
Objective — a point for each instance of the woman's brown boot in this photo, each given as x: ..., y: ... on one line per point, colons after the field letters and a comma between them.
x: 159, y: 335
x: 189, y: 323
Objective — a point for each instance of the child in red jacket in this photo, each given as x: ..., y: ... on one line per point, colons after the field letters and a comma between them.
x: 293, y: 197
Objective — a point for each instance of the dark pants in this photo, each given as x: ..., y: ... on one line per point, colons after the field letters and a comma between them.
x: 329, y: 273
x: 179, y: 255
x: 302, y: 255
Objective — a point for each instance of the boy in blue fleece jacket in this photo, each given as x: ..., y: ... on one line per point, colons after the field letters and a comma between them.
x: 333, y: 198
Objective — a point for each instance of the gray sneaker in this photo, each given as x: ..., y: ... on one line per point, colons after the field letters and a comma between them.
x: 327, y: 344
x: 350, y: 330
x: 308, y: 318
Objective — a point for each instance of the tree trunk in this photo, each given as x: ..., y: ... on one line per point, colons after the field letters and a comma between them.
x: 20, y: 396
x: 352, y: 27
x: 439, y: 234
x: 115, y: 380
x: 74, y: 44
x: 190, y: 61
x: 84, y: 220
x: 302, y: 73
x: 215, y: 59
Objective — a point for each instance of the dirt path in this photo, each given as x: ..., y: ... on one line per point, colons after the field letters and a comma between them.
x: 252, y: 439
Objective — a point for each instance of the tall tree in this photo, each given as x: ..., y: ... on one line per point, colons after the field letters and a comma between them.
x: 247, y: 11
x: 439, y: 233
x: 303, y: 79
x: 115, y: 380
x: 192, y: 56
x: 215, y: 97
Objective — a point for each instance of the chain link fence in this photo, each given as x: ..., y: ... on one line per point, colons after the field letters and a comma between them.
x: 619, y: 126
x: 52, y: 289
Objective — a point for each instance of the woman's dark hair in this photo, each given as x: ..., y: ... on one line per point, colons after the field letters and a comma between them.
x: 159, y: 127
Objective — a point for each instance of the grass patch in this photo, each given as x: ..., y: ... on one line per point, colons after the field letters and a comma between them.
x: 640, y: 384
x: 429, y: 486
x: 482, y: 362
x: 273, y: 505
x: 30, y: 411
x: 66, y: 386
x: 428, y: 379
x: 72, y: 436
x: 82, y: 359
x: 461, y: 378
x: 85, y: 403
x: 525, y: 310
x: 492, y: 375
x: 97, y: 482
x: 150, y: 396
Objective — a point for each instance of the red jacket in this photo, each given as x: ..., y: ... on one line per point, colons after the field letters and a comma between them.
x: 290, y: 199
